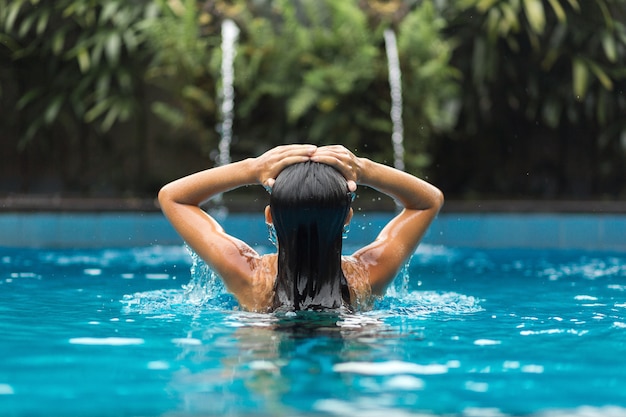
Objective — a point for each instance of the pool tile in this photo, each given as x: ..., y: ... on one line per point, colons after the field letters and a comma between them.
x: 613, y: 232
x: 10, y: 226
x: 79, y: 228
x: 37, y: 230
x: 505, y: 230
x: 580, y: 231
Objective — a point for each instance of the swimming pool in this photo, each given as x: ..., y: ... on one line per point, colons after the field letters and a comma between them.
x: 146, y: 331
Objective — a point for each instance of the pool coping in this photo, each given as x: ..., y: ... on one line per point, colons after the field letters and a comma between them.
x: 238, y: 204
x: 60, y: 221
x: 594, y: 232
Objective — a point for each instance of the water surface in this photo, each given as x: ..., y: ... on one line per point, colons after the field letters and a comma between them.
x: 144, y: 331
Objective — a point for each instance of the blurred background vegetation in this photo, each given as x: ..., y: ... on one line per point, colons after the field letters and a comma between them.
x: 510, y: 99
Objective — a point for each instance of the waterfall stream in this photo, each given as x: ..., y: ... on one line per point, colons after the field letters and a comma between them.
x: 395, y: 84
x: 230, y: 33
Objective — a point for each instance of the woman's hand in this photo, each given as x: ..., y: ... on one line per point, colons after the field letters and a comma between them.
x: 344, y: 161
x: 272, y: 162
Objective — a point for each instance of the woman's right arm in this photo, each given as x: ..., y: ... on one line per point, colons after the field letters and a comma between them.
x: 398, y: 240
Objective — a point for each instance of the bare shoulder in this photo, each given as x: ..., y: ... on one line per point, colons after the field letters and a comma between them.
x: 268, y: 267
x: 260, y: 293
x: 265, y: 276
x: 358, y: 281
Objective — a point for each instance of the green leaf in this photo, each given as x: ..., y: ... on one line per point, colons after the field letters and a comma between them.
x: 52, y: 111
x: 608, y: 19
x: 14, y: 10
x: 199, y: 96
x: 125, y: 79
x: 510, y: 18
x: 301, y: 102
x: 171, y: 115
x: 558, y: 10
x: 111, y: 117
x: 27, y: 98
x: 113, y: 48
x: 42, y: 23
x: 580, y: 78
x: 575, y: 5
x: 130, y: 40
x: 109, y: 9
x: 551, y: 112
x: 58, y: 41
x: 31, y: 132
x: 609, y: 46
x: 602, y: 76
x: 97, y: 110
x: 535, y: 15
x: 103, y: 86
x: 84, y: 61
x: 484, y: 5
x: 26, y: 25
x: 96, y: 53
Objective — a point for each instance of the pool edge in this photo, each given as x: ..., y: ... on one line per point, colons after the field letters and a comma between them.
x: 589, y: 231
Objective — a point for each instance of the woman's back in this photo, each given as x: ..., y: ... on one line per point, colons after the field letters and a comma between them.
x: 262, y: 298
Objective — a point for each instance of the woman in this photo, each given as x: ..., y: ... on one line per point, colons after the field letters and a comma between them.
x: 310, y: 192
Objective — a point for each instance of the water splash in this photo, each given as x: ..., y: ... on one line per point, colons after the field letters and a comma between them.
x: 428, y: 303
x: 399, y: 288
x: 395, y: 84
x: 205, y: 285
x: 204, y: 291
x: 230, y: 33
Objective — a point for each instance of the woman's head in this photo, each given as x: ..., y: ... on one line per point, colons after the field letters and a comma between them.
x: 309, y: 205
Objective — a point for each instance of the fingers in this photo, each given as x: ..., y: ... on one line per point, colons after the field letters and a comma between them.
x: 341, y: 159
x: 332, y: 155
x: 272, y: 162
x: 282, y: 160
x: 290, y: 154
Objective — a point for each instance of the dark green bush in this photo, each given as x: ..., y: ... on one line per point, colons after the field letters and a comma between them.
x: 502, y: 98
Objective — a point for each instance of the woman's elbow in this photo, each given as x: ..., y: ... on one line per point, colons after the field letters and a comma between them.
x: 436, y: 198
x: 164, y: 196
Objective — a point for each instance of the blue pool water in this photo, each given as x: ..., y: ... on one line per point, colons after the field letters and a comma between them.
x: 145, y: 331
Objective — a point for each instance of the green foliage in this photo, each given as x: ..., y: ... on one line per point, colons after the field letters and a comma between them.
x: 75, y: 62
x: 317, y: 71
x: 531, y: 90
x: 306, y: 72
x: 430, y: 83
x: 550, y: 69
x: 587, y: 37
x: 180, y: 66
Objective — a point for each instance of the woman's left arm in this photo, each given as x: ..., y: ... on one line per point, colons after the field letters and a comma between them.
x: 233, y: 260
x: 180, y: 202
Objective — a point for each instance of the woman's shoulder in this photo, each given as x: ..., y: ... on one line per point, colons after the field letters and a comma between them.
x: 259, y: 293
x: 269, y: 265
x: 266, y: 272
x: 358, y: 281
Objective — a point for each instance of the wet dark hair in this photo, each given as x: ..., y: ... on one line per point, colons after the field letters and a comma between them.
x: 309, y: 205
